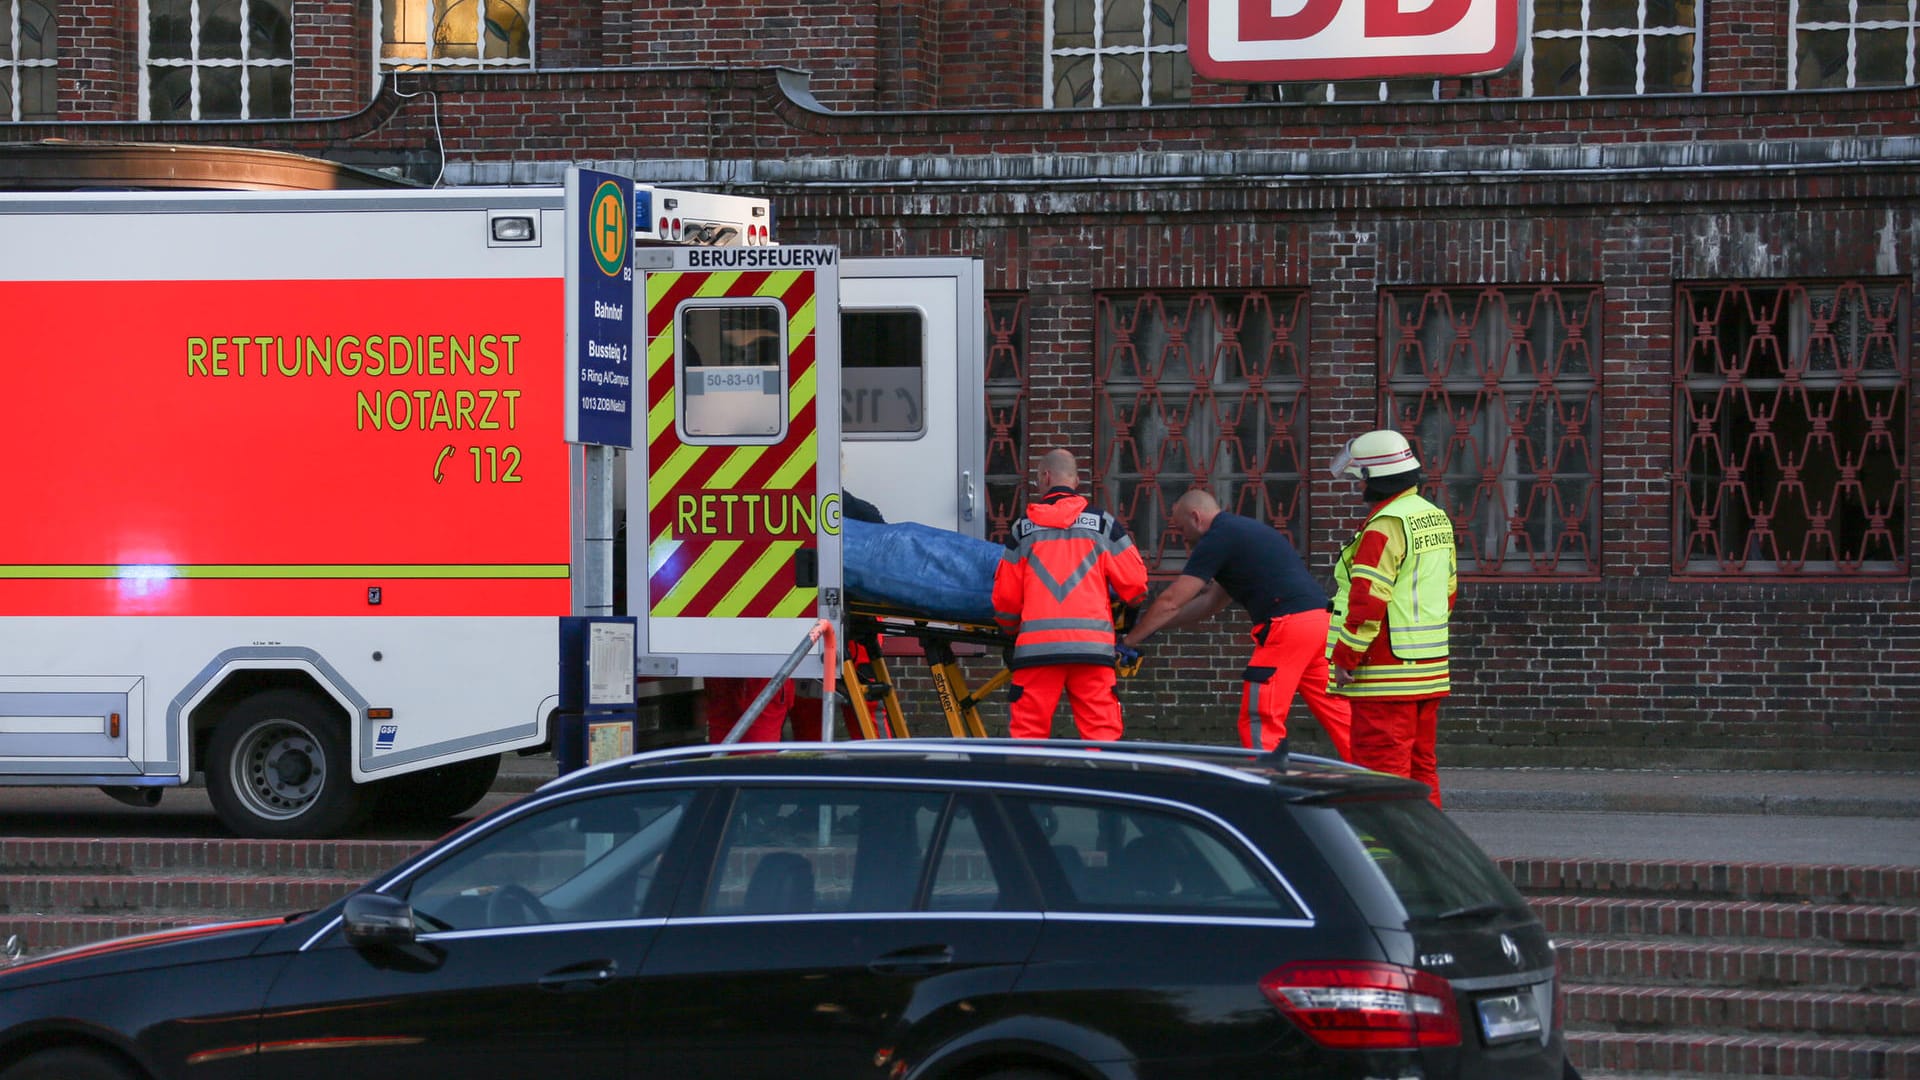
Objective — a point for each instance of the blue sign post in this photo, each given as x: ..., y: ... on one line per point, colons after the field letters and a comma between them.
x: 600, y: 312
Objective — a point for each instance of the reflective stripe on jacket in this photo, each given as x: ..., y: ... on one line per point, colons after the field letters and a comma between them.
x: 1055, y: 585
x: 1405, y: 552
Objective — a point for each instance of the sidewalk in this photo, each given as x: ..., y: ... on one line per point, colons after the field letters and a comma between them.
x: 1629, y: 791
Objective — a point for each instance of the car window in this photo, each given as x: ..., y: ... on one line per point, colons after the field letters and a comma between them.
x: 964, y: 877
x: 1433, y: 867
x: 796, y: 851
x: 587, y: 860
x: 1119, y: 857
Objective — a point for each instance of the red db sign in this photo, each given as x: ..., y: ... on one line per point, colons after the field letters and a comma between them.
x: 1326, y: 40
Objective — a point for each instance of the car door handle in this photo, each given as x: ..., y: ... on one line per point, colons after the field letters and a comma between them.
x: 908, y: 961
x: 588, y: 975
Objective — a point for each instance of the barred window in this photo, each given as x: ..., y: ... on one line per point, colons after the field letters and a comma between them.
x: 27, y: 59
x: 1006, y: 464
x: 1200, y: 389
x: 1791, y: 449
x: 1583, y: 47
x: 1841, y: 43
x: 427, y: 34
x: 1500, y: 389
x: 1116, y: 52
x: 217, y: 60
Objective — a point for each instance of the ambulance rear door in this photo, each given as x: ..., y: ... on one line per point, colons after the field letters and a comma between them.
x: 741, y: 551
x: 913, y: 389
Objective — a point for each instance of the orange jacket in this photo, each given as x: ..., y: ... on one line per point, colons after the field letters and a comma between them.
x: 1055, y: 585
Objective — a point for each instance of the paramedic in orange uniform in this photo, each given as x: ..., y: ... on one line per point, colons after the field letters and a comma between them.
x: 1064, y: 565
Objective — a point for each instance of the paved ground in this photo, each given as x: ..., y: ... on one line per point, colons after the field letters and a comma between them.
x: 1863, y: 818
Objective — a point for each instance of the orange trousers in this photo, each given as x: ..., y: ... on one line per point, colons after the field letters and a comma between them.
x: 728, y: 698
x: 1397, y: 735
x: 1290, y: 657
x: 1089, y: 690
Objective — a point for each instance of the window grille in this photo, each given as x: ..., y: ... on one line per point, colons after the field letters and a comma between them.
x: 1359, y: 90
x: 1116, y: 52
x: 1499, y: 389
x: 1792, y: 433
x: 1585, y: 47
x: 1007, y: 450
x: 217, y: 60
x: 1200, y: 389
x: 417, y: 35
x: 27, y: 61
x: 1845, y: 43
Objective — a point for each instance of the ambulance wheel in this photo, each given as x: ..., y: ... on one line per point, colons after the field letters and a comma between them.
x: 438, y: 793
x: 278, y: 769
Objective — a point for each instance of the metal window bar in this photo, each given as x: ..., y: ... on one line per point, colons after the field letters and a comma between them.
x: 1792, y: 428
x: 1852, y: 26
x: 1200, y: 389
x: 1499, y: 389
x: 1007, y: 396
x: 1640, y: 31
x: 16, y: 61
x: 433, y: 59
x: 1102, y: 49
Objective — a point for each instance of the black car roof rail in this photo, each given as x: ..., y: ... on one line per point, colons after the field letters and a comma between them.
x: 1165, y: 755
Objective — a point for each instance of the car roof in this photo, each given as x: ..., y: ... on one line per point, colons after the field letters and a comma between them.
x: 1121, y: 765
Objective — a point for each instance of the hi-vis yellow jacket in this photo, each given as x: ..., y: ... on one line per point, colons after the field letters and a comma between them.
x: 1398, y: 575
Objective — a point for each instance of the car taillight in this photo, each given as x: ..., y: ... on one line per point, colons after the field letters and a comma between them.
x: 1368, y: 1006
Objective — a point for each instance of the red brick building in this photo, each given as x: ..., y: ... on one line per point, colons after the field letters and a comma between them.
x: 1646, y: 299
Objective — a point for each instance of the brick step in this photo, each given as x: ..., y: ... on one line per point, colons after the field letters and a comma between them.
x: 1754, y: 1012
x: 1700, y: 1057
x: 1855, y: 925
x: 1761, y: 882
x: 361, y: 859
x: 1757, y: 967
x: 45, y: 933
x: 158, y: 895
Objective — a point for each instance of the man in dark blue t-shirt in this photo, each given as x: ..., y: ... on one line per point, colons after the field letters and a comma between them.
x: 1239, y: 560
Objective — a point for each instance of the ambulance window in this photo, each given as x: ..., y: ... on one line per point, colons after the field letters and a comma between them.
x: 733, y: 385
x: 883, y: 373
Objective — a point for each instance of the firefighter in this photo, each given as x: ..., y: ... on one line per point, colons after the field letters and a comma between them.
x: 1236, y: 559
x: 1053, y: 590
x: 1394, y: 589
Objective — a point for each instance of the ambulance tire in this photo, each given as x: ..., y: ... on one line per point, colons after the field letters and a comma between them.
x: 70, y: 1063
x: 278, y: 769
x: 438, y: 793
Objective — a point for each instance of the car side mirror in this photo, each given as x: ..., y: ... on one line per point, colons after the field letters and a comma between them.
x: 375, y: 919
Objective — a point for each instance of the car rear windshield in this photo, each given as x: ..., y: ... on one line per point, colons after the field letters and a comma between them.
x: 1436, y: 870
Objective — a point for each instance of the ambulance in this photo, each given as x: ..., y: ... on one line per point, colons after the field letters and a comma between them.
x: 292, y: 507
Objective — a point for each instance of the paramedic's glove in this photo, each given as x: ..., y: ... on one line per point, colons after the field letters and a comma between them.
x: 1126, y: 660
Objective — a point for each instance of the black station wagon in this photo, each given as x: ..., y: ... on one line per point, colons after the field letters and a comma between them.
x: 901, y: 909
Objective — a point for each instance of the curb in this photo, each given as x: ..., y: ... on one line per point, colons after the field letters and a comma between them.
x: 1603, y: 802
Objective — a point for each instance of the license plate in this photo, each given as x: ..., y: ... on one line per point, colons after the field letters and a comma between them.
x: 1509, y: 1017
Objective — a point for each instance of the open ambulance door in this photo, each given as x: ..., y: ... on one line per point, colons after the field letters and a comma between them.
x: 733, y: 508
x: 913, y: 389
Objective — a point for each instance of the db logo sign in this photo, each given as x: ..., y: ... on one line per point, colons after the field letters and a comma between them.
x: 1328, y: 40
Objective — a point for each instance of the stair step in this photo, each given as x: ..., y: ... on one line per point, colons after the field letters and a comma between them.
x: 1766, y: 882
x: 1757, y: 967
x: 157, y: 895
x: 346, y: 858
x: 1756, y: 1012
x: 1702, y: 1056
x: 1837, y: 924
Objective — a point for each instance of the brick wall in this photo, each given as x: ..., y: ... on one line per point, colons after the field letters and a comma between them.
x: 99, y: 61
x: 1625, y: 663
x: 333, y: 57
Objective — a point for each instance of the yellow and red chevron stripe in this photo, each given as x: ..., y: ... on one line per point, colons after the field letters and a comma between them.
x: 695, y: 572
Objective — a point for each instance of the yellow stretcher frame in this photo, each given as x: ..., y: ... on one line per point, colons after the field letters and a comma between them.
x: 867, y: 623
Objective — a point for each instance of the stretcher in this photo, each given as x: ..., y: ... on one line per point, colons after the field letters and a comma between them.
x: 869, y: 682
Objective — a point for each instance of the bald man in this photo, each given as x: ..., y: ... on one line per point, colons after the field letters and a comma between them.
x: 1236, y: 559
x: 1053, y: 590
